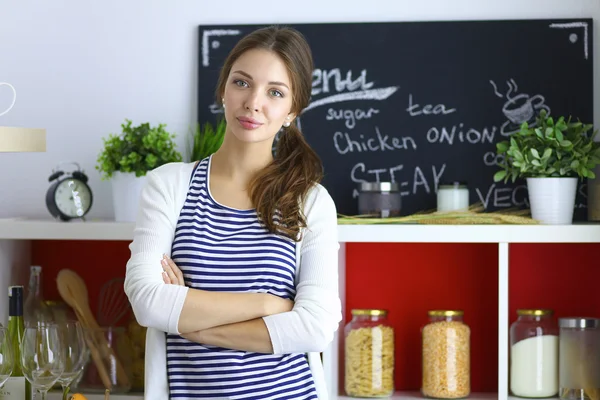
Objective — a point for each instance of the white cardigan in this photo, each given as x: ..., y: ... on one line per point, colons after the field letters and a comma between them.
x: 308, y: 328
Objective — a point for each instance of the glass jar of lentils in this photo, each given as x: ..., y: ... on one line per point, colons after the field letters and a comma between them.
x: 446, y: 356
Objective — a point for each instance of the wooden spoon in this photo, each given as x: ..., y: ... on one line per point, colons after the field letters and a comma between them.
x: 74, y: 292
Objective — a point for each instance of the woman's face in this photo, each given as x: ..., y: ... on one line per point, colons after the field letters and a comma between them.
x: 258, y: 96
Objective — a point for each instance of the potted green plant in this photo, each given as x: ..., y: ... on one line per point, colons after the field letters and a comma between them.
x: 551, y: 156
x: 206, y: 139
x: 128, y: 156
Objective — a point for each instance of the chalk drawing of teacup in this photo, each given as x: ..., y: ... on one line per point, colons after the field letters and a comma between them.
x: 521, y: 108
x: 12, y: 93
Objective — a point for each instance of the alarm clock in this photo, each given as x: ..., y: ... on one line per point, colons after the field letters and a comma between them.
x: 69, y: 197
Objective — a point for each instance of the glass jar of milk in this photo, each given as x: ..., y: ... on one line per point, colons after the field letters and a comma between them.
x: 534, y: 354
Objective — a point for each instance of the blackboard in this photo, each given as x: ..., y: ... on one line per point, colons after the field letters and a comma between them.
x: 420, y: 103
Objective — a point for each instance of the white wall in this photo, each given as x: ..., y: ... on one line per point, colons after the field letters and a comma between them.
x: 80, y: 68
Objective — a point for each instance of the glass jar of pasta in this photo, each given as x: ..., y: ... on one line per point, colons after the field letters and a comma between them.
x: 369, y: 354
x: 446, y: 356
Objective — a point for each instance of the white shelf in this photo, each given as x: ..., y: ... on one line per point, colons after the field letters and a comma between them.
x: 418, y: 396
x: 15, y: 249
x: 413, y: 395
x: 29, y: 229
x: 130, y: 396
x: 395, y: 396
x: 578, y: 233
x: 521, y: 398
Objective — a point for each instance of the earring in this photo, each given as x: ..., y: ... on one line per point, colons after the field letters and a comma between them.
x: 223, y: 102
x: 286, y: 124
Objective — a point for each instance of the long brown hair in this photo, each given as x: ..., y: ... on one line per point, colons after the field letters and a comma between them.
x: 284, y: 183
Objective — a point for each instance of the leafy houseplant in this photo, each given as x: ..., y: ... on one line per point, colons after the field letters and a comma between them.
x: 551, y: 149
x: 126, y: 158
x: 138, y: 149
x: 551, y: 156
x: 206, y: 139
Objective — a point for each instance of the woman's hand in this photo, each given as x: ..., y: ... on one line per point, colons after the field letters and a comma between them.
x: 172, y: 275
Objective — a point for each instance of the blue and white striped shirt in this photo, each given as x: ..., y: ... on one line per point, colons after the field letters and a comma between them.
x: 219, y: 248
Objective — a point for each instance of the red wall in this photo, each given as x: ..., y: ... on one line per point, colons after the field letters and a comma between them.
x: 96, y: 262
x: 408, y: 280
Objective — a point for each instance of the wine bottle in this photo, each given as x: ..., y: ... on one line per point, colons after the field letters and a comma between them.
x: 35, y: 309
x: 16, y: 387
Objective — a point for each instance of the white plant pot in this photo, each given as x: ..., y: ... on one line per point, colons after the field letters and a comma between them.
x: 552, y: 200
x: 127, y: 189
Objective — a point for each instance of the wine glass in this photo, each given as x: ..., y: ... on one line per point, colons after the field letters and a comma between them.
x: 73, y: 344
x: 7, y: 360
x: 42, y: 356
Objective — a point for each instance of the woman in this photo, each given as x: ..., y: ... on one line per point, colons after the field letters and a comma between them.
x: 251, y: 285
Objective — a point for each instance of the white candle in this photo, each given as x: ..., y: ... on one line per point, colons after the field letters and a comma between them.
x: 453, y: 197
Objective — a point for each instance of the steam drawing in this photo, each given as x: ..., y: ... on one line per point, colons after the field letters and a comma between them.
x: 519, y: 107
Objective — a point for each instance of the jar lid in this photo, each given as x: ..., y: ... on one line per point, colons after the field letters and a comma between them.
x: 379, y: 187
x: 535, y: 311
x: 445, y: 313
x: 453, y: 184
x: 578, y: 322
x: 367, y: 311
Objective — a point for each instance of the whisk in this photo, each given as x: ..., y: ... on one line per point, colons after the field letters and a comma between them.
x: 113, y: 303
